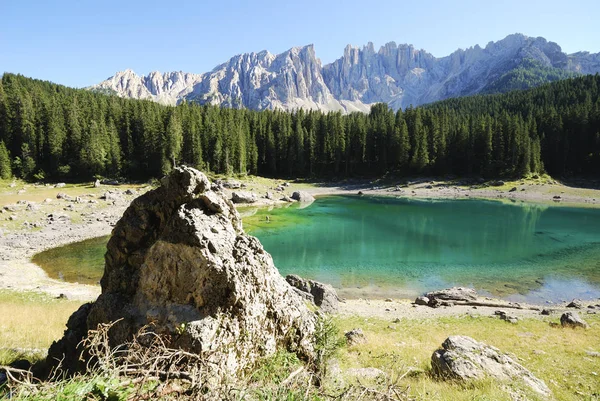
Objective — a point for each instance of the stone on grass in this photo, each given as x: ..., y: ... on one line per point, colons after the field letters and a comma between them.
x: 572, y: 319
x: 355, y: 336
x: 463, y: 358
x: 179, y: 260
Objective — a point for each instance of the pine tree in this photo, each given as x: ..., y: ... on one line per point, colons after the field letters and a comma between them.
x: 5, y: 169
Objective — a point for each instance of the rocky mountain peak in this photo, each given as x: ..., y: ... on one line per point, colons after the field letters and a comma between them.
x: 397, y: 74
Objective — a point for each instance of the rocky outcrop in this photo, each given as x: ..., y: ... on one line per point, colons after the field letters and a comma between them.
x: 179, y: 260
x: 399, y: 75
x: 322, y: 295
x: 463, y: 358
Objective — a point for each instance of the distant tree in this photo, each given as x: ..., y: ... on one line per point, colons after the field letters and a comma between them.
x: 5, y: 169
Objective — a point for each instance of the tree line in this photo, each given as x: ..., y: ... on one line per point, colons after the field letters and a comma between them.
x: 49, y: 131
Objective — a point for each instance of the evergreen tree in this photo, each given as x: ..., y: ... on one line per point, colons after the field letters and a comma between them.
x: 5, y: 169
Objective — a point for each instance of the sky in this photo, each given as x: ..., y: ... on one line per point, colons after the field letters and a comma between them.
x: 82, y: 42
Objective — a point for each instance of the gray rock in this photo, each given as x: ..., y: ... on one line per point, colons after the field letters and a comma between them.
x: 97, y: 184
x: 453, y: 294
x: 179, y: 258
x: 594, y: 354
x: 355, y: 336
x: 60, y: 185
x: 572, y: 319
x: 302, y: 196
x: 111, y: 196
x: 422, y: 301
x: 243, y: 197
x: 131, y: 192
x: 287, y: 199
x: 323, y: 295
x: 513, y: 189
x: 269, y: 195
x: 546, y: 312
x: 232, y: 184
x: 576, y: 303
x: 463, y: 358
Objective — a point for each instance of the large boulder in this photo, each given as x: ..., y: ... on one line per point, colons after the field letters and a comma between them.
x: 323, y: 295
x: 243, y: 197
x: 302, y: 196
x: 463, y: 358
x: 179, y: 260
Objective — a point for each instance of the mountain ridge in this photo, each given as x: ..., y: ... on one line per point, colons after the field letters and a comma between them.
x: 399, y: 75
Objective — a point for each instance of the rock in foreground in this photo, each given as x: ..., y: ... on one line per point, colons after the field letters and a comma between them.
x: 453, y: 294
x: 463, y: 358
x: 179, y: 260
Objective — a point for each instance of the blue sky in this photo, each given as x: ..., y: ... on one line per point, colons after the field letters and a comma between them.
x: 79, y: 43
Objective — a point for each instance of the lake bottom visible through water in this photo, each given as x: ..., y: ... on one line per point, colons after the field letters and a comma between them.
x: 379, y: 247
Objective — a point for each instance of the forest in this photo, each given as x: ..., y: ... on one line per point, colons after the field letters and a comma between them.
x: 52, y: 132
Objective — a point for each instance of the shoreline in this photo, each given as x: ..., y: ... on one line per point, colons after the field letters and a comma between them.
x: 17, y: 247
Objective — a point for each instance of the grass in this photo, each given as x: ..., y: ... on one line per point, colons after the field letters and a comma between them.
x: 407, y: 345
x: 30, y: 322
x: 400, y: 349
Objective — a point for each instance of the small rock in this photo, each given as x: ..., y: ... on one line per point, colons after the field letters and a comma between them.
x: 513, y: 189
x: 302, y: 196
x: 422, y: 301
x: 60, y: 185
x: 131, y: 192
x: 243, y: 197
x: 61, y: 195
x: 355, y: 336
x: 287, y: 199
x: 232, y: 184
x: 389, y: 300
x: 360, y: 193
x: 546, y: 312
x: 62, y: 296
x: 269, y: 195
x: 576, y: 303
x: 594, y: 354
x: 97, y: 184
x: 572, y: 319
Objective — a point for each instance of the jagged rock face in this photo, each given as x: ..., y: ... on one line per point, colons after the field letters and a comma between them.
x: 178, y: 258
x: 399, y: 75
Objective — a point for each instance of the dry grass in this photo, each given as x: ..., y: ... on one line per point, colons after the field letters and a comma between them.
x: 560, y: 357
x: 31, y: 320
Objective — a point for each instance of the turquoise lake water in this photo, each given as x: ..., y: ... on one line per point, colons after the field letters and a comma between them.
x: 398, y: 247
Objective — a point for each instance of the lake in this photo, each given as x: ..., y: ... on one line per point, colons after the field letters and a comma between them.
x: 400, y: 247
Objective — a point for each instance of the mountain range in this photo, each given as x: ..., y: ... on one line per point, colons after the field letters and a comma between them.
x: 399, y: 75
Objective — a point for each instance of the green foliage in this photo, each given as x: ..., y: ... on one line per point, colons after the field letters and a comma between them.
x: 78, y: 134
x: 5, y: 169
x: 528, y: 74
